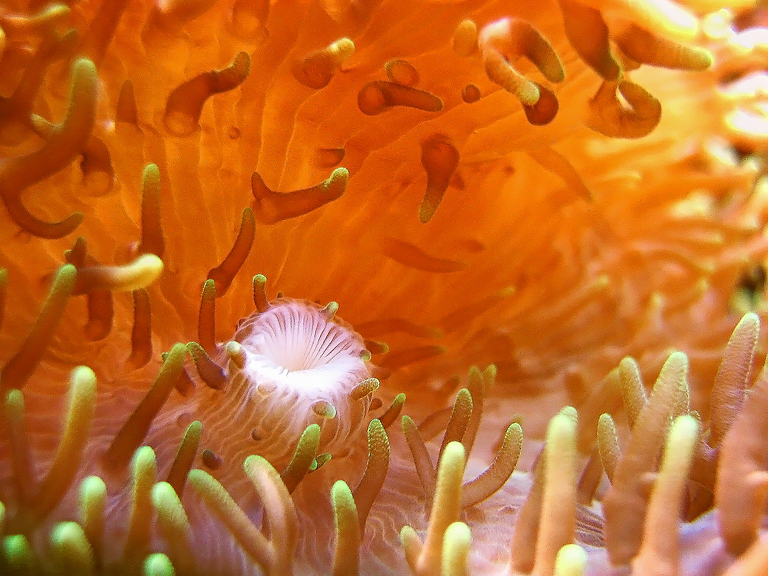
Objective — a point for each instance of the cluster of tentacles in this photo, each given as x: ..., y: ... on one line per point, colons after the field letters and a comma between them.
x: 673, y: 474
x: 128, y: 470
x: 620, y: 108
x: 635, y: 506
x: 226, y: 445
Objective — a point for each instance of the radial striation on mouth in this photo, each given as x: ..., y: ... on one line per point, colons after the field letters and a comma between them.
x: 290, y: 366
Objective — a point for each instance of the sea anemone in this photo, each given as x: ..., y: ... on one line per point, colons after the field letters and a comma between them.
x: 522, y: 212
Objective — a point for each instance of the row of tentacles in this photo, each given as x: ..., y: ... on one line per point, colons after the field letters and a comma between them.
x: 720, y: 465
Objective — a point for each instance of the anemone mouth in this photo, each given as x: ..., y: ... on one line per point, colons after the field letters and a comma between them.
x: 299, y: 346
x: 294, y: 369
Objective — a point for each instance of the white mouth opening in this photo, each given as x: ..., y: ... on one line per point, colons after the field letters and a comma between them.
x: 295, y: 346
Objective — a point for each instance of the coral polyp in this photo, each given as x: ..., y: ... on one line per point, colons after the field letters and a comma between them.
x: 524, y: 212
